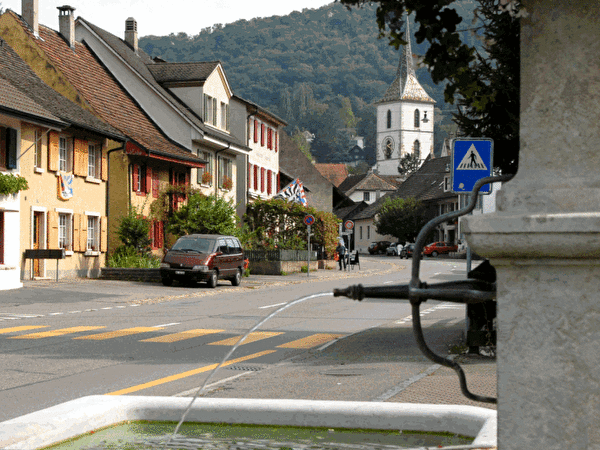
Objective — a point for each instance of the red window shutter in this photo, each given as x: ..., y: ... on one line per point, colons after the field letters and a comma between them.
x: 148, y: 184
x: 269, y: 139
x: 255, y: 131
x: 262, y: 134
x: 275, y: 146
x: 155, y: 183
x: 278, y: 181
x: 136, y: 177
x: 269, y: 182
x: 262, y: 179
x: 161, y: 233
x: 256, y: 178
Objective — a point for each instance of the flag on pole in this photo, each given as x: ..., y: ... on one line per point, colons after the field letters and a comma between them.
x: 293, y: 192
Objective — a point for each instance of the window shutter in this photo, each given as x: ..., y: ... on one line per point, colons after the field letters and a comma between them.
x: 148, y: 183
x: 161, y: 233
x: 53, y: 151
x: 103, y: 234
x: 255, y: 131
x: 256, y: 178
x: 269, y: 138
x: 104, y: 163
x: 278, y: 181
x: 82, y: 232
x: 269, y: 182
x: 80, y: 163
x: 262, y: 179
x: 11, y: 148
x: 135, y: 177
x: 275, y: 146
x: 52, y: 230
x: 75, y: 241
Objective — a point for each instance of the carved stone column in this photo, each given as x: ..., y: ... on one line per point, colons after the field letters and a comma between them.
x: 544, y: 239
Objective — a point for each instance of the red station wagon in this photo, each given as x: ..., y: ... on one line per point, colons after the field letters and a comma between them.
x: 203, y: 257
x: 439, y: 248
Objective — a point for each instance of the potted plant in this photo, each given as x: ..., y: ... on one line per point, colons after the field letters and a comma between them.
x: 206, y: 178
x: 227, y: 183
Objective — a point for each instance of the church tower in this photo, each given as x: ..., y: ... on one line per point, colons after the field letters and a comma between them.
x: 404, y: 117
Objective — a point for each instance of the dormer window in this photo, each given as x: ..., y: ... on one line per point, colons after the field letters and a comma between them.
x: 210, y: 110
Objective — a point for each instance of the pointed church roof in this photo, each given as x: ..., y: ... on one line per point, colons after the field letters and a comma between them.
x: 406, y: 86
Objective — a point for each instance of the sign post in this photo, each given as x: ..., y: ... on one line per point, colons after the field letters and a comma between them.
x: 309, y: 219
x: 349, y: 225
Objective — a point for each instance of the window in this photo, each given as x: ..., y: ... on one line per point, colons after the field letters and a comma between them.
x: 417, y: 118
x: 360, y: 232
x: 65, y: 154
x: 8, y: 148
x: 38, y: 149
x: 208, y: 157
x: 225, y: 170
x: 446, y: 184
x: 65, y: 230
x: 139, y: 179
x: 366, y: 196
x: 225, y: 116
x: 417, y: 149
x: 93, y: 233
x: 389, y: 119
x: 368, y: 232
x: 210, y: 110
x: 94, y: 161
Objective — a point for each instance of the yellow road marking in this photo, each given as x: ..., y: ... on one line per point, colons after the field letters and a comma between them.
x: 119, y: 333
x: 311, y: 341
x: 21, y: 328
x: 63, y: 331
x: 175, y: 337
x: 189, y: 373
x: 252, y: 337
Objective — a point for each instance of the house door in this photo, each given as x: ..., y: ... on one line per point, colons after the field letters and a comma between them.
x: 38, y: 236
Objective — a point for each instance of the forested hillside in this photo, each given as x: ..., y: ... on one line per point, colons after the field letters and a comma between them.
x: 321, y: 70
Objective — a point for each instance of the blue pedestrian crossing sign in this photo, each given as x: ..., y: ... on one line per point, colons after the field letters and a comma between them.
x: 472, y: 160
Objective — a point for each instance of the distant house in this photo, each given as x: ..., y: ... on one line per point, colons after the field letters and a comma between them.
x: 366, y: 188
x: 431, y: 185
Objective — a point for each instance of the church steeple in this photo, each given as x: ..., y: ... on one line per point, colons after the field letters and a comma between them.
x: 405, y: 86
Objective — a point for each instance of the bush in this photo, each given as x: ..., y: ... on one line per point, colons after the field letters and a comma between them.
x: 134, y: 231
x: 11, y: 184
x: 127, y: 257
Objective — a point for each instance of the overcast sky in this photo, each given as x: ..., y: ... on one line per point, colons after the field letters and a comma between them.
x: 163, y: 17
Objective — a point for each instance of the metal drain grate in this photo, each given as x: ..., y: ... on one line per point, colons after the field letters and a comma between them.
x: 247, y: 368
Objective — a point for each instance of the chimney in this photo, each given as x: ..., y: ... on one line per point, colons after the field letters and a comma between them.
x: 29, y: 11
x: 131, y: 36
x: 66, y: 23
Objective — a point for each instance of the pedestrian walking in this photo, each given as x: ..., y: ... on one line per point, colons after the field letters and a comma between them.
x: 342, y: 253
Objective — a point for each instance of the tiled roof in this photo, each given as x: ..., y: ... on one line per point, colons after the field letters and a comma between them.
x: 351, y: 181
x: 336, y: 173
x: 108, y: 100
x: 426, y: 184
x: 141, y: 62
x: 21, y: 76
x: 165, y: 72
x: 14, y: 100
x: 372, y: 182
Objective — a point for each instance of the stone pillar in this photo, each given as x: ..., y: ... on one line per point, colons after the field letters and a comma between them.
x: 544, y: 239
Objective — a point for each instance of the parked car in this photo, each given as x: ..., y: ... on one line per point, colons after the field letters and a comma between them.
x: 407, y: 251
x: 393, y: 249
x: 439, y: 248
x: 203, y: 257
x: 378, y: 247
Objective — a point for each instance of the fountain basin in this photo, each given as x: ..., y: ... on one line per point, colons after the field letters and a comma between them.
x: 73, y: 418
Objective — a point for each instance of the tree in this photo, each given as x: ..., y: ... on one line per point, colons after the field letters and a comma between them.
x: 485, y: 82
x: 134, y: 231
x: 408, y: 164
x: 203, y: 215
x: 402, y: 218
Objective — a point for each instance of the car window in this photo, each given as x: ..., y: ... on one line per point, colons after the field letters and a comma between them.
x: 231, y: 246
x: 222, y: 246
x: 238, y: 246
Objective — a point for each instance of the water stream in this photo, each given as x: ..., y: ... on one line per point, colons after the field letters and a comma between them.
x: 237, y: 344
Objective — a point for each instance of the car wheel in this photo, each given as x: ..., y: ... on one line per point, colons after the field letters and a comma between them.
x: 166, y: 281
x: 237, y: 279
x: 434, y: 254
x: 212, y: 279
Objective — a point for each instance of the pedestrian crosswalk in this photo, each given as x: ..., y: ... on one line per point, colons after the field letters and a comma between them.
x: 145, y: 335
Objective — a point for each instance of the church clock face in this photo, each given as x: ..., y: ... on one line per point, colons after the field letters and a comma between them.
x: 387, y: 147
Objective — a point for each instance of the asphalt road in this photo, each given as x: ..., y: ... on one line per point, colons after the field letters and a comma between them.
x: 60, y: 341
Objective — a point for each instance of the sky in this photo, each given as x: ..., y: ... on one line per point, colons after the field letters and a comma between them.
x: 160, y: 17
